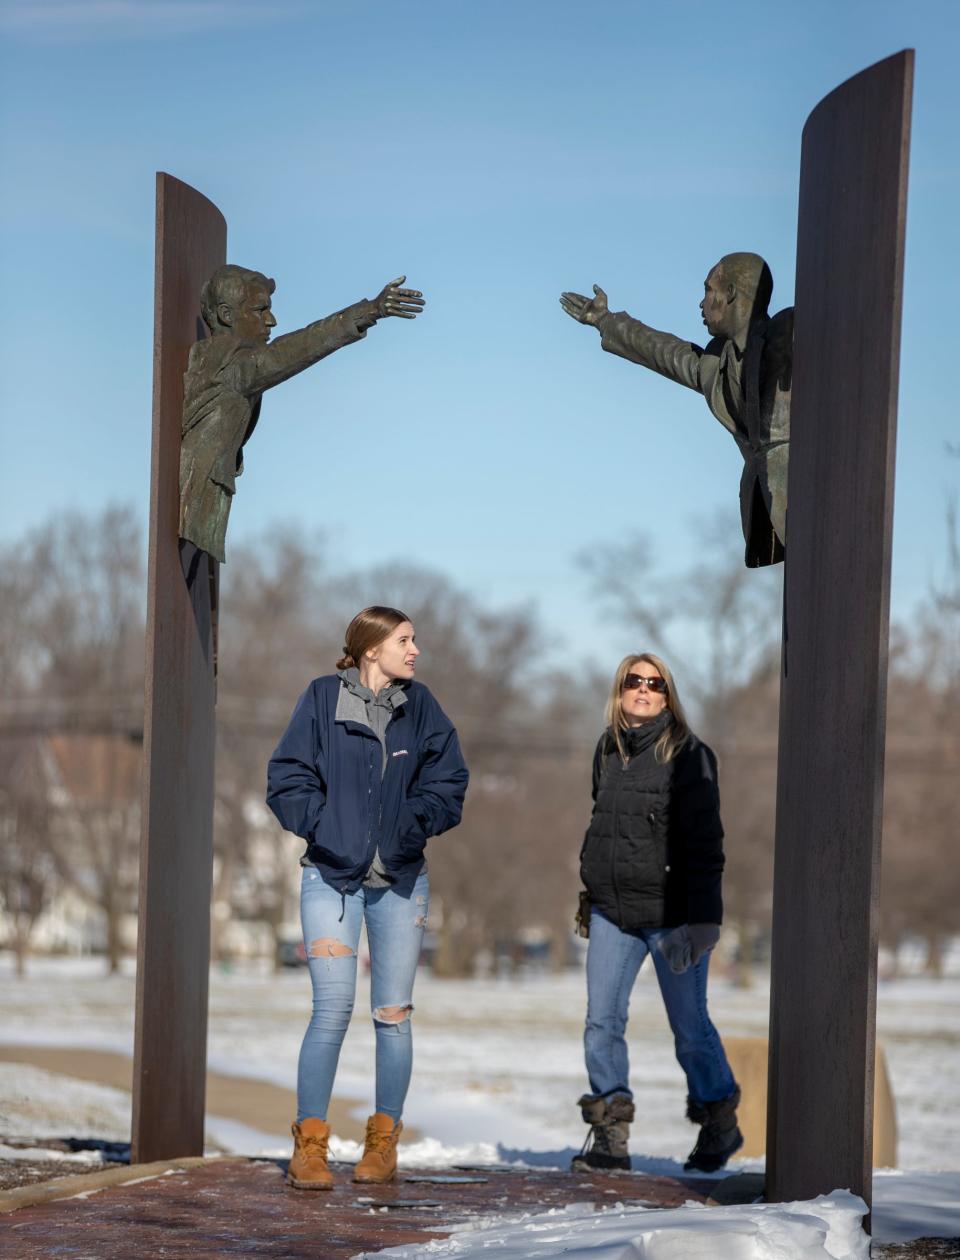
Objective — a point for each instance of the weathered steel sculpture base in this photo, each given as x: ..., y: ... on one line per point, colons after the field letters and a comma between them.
x: 176, y: 857
x: 836, y: 608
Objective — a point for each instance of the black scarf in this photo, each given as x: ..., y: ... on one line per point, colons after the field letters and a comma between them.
x: 637, y: 739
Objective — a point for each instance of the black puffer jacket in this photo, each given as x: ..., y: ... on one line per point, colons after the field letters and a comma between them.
x: 653, y: 853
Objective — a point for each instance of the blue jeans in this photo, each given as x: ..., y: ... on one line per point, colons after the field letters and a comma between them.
x: 614, y: 959
x: 331, y: 934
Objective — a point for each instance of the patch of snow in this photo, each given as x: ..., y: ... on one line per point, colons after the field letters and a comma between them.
x: 915, y: 1205
x: 427, y: 1153
x: 37, y: 1103
x: 230, y: 1137
x: 42, y: 1153
x: 828, y: 1227
x: 137, y: 1181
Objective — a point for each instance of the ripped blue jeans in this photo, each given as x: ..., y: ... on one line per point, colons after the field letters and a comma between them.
x: 331, y: 934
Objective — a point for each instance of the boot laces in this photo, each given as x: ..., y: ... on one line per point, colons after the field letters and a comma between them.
x: 314, y: 1145
x: 597, y: 1139
x: 379, y: 1139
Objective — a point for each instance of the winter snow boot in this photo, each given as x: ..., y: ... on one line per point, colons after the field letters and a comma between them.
x: 606, y: 1144
x: 379, y: 1160
x: 308, y: 1168
x: 720, y: 1136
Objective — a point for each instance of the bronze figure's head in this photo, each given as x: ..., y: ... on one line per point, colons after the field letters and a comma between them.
x: 237, y: 301
x: 736, y: 292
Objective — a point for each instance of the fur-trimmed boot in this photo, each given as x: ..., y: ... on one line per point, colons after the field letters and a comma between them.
x: 606, y: 1145
x: 308, y: 1167
x: 378, y: 1163
x: 720, y: 1135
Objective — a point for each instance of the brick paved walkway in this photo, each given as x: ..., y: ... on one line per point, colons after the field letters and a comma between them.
x: 239, y: 1208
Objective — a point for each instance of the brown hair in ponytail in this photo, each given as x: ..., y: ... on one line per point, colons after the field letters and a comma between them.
x: 368, y: 630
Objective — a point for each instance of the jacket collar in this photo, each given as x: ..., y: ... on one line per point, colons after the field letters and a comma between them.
x: 637, y: 739
x: 353, y: 697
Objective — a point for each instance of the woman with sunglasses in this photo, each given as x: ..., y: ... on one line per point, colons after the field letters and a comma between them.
x: 652, y: 862
x: 368, y: 769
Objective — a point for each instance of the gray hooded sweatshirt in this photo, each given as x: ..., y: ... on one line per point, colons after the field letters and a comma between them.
x: 357, y: 703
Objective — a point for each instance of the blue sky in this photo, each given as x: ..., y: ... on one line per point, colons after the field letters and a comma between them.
x: 497, y: 153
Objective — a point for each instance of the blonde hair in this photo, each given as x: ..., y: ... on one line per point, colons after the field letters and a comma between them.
x: 368, y: 630
x: 676, y: 734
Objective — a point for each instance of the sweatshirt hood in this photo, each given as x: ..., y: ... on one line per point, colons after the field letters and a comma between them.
x: 393, y: 695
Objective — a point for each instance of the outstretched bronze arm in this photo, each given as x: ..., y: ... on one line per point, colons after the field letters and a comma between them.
x: 228, y: 373
x: 293, y: 352
x: 632, y: 339
x: 744, y: 374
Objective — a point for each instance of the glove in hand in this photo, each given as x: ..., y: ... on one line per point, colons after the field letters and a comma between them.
x: 686, y: 944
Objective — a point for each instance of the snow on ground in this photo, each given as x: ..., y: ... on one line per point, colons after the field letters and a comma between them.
x: 89, y: 1159
x: 500, y: 1061
x: 498, y: 1064
x: 915, y: 1205
x: 35, y: 1103
x: 825, y: 1227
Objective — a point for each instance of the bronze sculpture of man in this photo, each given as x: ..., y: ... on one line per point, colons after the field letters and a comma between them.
x: 228, y: 372
x: 744, y: 373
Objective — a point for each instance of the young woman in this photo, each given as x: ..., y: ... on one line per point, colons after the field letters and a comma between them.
x: 652, y: 861
x: 367, y: 771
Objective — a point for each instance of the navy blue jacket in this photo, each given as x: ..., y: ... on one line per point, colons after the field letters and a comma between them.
x: 324, y: 783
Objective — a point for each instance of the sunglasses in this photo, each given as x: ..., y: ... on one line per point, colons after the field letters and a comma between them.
x: 633, y: 681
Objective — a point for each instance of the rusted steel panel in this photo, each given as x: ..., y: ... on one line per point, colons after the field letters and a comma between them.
x: 177, y: 828
x: 836, y: 609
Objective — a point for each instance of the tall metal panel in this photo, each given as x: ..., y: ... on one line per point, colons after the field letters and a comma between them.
x: 173, y: 948
x: 836, y: 608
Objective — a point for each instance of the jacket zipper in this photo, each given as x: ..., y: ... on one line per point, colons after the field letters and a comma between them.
x: 613, y: 844
x: 370, y: 836
x: 383, y: 778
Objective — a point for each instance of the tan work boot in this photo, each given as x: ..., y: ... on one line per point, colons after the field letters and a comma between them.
x: 308, y: 1168
x: 379, y: 1160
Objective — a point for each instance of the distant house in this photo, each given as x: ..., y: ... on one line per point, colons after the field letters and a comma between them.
x: 76, y: 799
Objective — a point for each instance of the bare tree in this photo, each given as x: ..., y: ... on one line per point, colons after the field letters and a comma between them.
x: 95, y: 828
x: 920, y: 878
x: 75, y: 659
x: 718, y: 623
x: 27, y: 874
x: 276, y: 634
x: 86, y: 620
x: 26, y: 869
x: 748, y: 797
